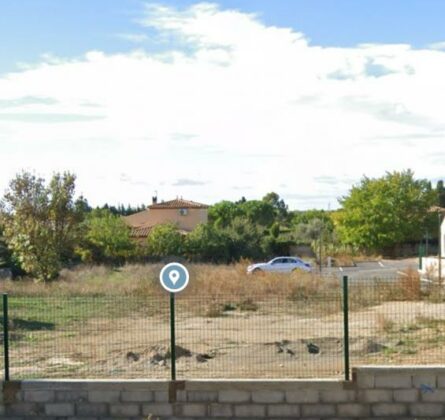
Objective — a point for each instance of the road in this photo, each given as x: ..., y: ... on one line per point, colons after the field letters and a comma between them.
x: 382, y: 269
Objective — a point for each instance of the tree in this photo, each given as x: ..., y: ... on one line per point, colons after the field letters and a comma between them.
x: 165, y: 240
x: 222, y: 213
x: 65, y: 214
x: 383, y: 212
x: 306, y: 233
x: 121, y: 210
x: 208, y: 243
x: 106, y: 238
x: 41, y: 222
x: 5, y: 253
x: 440, y: 194
x: 278, y: 205
x: 305, y: 216
x: 258, y: 212
x: 245, y: 239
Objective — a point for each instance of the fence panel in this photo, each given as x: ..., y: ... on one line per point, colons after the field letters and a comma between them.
x: 273, y: 335
x: 86, y: 336
x: 396, y: 321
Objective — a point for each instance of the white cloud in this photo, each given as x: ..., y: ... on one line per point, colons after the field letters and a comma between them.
x: 230, y: 102
x: 437, y: 45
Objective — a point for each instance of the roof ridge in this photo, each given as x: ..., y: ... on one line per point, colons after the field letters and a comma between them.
x: 178, y: 203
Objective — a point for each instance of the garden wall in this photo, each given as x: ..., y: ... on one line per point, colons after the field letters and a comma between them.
x: 374, y: 392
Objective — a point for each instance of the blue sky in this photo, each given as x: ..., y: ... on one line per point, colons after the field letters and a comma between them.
x: 72, y: 27
x: 221, y: 100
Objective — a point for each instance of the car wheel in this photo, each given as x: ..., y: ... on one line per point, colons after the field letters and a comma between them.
x: 257, y: 271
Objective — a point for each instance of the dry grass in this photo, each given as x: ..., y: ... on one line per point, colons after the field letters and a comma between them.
x: 409, y: 284
x: 215, y: 290
x: 137, y: 279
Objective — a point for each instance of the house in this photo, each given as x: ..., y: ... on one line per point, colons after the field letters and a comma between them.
x: 185, y: 214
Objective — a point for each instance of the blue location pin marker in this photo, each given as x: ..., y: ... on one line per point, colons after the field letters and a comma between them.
x: 174, y: 277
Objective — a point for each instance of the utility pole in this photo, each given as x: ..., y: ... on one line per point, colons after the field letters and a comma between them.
x: 439, y: 214
x: 321, y: 245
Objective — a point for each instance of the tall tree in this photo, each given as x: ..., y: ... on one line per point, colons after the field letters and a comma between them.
x: 5, y: 254
x: 440, y: 194
x: 258, y: 212
x: 278, y: 204
x: 64, y: 213
x: 222, y: 213
x: 41, y: 222
x: 383, y: 212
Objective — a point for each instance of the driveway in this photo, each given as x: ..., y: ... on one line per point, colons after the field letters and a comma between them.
x: 381, y: 269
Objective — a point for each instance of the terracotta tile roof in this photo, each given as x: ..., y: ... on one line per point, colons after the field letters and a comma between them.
x: 140, y: 231
x: 144, y: 231
x: 178, y: 203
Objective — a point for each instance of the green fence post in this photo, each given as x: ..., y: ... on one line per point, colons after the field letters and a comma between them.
x: 172, y: 337
x: 346, y: 326
x: 6, y: 335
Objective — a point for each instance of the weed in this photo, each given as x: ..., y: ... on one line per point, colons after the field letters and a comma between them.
x: 248, y: 305
x: 385, y: 324
x: 214, y: 310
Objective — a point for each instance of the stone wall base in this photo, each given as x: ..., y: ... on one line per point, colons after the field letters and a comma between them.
x: 375, y: 392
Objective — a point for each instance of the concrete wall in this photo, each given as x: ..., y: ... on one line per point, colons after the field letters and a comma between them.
x: 375, y: 392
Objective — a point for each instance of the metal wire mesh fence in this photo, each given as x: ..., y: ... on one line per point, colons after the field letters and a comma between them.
x: 397, y: 322
x: 299, y: 334
x: 260, y: 337
x: 100, y: 337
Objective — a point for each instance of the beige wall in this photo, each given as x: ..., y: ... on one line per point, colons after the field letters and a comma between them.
x: 158, y: 216
x: 187, y: 222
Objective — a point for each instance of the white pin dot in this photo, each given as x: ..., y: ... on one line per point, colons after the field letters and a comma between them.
x: 174, y: 276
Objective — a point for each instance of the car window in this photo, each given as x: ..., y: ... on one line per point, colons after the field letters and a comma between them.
x: 278, y: 261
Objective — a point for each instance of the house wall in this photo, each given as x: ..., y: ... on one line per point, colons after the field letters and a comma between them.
x: 153, y: 217
x: 379, y: 392
x: 187, y: 222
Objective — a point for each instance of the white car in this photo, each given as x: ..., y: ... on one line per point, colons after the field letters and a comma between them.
x: 280, y: 265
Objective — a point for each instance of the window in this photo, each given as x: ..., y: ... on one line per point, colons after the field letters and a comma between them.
x: 183, y: 212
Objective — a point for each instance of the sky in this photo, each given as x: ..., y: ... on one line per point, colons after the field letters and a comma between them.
x: 218, y: 100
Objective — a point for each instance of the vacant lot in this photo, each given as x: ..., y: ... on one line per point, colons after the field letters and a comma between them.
x: 100, y: 322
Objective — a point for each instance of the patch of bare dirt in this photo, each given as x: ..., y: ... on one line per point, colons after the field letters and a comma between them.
x: 249, y: 345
